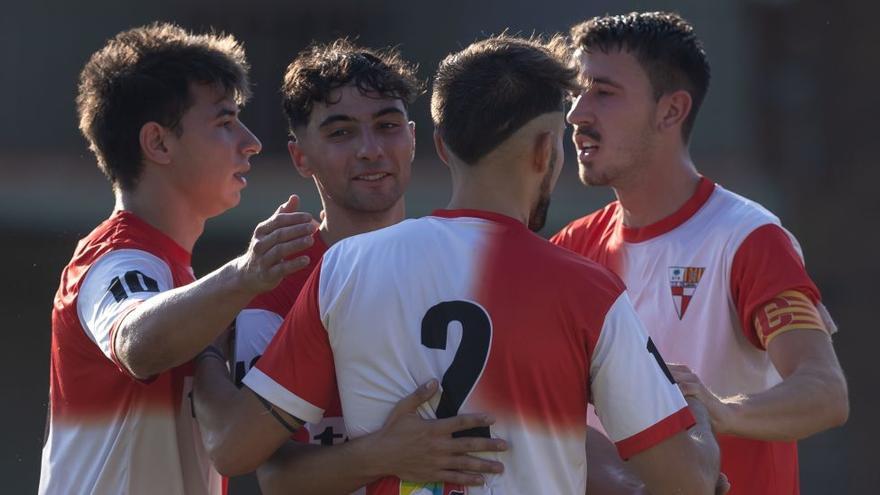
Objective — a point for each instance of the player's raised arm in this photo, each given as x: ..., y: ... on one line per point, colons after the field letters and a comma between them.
x: 172, y: 327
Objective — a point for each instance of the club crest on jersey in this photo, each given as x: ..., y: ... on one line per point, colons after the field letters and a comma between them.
x: 683, y: 281
x: 414, y: 488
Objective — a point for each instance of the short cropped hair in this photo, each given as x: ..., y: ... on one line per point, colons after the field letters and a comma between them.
x: 144, y: 75
x: 664, y: 44
x: 485, y: 93
x: 322, y: 68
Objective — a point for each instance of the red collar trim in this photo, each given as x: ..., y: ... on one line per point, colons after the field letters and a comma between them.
x: 687, y: 210
x: 485, y: 215
x: 167, y: 244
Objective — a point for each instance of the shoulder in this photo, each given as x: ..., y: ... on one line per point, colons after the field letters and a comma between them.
x: 593, y: 225
x: 737, y: 212
x: 578, y: 274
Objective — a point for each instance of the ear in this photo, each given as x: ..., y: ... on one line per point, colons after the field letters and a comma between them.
x: 673, y: 109
x: 440, y: 146
x: 155, y: 143
x: 298, y: 157
x: 412, y: 136
x: 542, y: 151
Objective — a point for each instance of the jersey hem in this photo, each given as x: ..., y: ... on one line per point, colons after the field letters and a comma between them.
x: 263, y: 385
x: 645, y: 439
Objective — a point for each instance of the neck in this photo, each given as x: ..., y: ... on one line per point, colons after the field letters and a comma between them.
x: 173, y: 218
x: 476, y: 188
x: 340, y: 223
x: 658, y: 190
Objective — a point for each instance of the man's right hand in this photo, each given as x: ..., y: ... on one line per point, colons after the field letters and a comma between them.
x: 269, y: 257
x: 423, y: 450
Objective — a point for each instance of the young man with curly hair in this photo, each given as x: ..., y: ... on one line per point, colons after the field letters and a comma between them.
x: 159, y: 107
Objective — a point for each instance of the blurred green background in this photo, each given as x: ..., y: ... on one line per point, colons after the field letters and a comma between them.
x: 790, y: 121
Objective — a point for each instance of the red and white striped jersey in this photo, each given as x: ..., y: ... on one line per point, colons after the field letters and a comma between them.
x: 696, y: 279
x: 109, y: 432
x: 509, y: 324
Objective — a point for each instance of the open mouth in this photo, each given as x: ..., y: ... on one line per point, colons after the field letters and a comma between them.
x: 372, y: 177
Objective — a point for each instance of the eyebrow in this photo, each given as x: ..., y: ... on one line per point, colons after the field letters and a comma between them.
x: 226, y: 112
x: 331, y: 119
x: 603, y: 80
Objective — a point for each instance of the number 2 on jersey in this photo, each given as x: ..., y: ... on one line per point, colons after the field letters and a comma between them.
x: 470, y: 357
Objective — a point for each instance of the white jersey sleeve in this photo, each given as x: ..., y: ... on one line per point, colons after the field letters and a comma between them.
x: 114, y: 284
x: 634, y: 394
x: 254, y: 329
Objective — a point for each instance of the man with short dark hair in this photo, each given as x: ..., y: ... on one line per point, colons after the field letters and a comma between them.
x: 346, y: 107
x: 159, y: 107
x: 471, y: 297
x: 722, y: 284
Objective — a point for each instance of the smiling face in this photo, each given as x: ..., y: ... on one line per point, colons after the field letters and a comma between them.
x: 359, y: 149
x: 212, y: 153
x: 613, y: 118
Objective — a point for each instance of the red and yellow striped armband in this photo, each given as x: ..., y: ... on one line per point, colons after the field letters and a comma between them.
x: 790, y: 310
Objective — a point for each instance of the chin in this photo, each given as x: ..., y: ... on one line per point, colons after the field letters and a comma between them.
x: 591, y: 177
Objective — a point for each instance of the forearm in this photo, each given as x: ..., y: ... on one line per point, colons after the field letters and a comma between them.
x: 320, y: 470
x: 237, y: 431
x: 702, y: 440
x: 607, y: 474
x: 213, y: 395
x: 172, y: 327
x: 806, y: 402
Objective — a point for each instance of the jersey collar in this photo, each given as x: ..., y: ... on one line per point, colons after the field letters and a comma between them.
x: 704, y: 189
x: 485, y: 215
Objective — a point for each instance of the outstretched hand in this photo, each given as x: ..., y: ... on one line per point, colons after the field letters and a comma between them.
x: 270, y: 255
x: 691, y: 386
x: 423, y: 450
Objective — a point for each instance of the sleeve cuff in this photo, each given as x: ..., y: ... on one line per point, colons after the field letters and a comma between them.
x: 645, y: 439
x: 267, y: 388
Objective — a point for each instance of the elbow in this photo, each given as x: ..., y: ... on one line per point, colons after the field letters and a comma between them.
x: 135, y: 360
x: 140, y: 356
x: 839, y: 413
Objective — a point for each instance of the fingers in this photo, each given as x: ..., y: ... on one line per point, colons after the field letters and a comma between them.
x: 289, y: 206
x: 283, y: 243
x: 464, y: 469
x: 463, y: 422
x: 475, y: 465
x: 458, y: 478
x: 465, y: 445
x: 411, y: 402
x: 722, y: 486
x: 287, y: 267
x: 279, y: 221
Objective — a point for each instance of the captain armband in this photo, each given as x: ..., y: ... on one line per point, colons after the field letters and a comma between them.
x: 790, y: 310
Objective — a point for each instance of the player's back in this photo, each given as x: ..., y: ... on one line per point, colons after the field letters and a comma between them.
x: 507, y: 321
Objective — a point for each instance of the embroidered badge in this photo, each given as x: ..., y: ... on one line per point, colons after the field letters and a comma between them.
x: 683, y: 281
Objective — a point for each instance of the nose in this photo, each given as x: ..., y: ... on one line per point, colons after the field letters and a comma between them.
x: 580, y: 112
x: 252, y: 144
x: 370, y: 147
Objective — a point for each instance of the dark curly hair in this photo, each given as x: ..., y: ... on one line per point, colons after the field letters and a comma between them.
x: 664, y: 44
x: 144, y: 75
x: 485, y: 93
x: 322, y: 68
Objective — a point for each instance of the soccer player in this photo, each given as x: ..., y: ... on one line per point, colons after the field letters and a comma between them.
x: 346, y: 106
x: 159, y: 107
x: 509, y: 324
x: 722, y: 283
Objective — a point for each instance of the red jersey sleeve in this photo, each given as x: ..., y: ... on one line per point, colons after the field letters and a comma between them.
x: 296, y: 373
x: 765, y: 265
